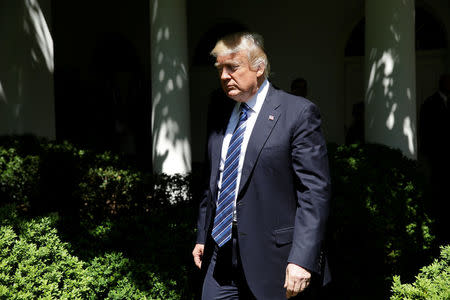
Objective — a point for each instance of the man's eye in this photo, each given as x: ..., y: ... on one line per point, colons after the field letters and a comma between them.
x: 234, y: 68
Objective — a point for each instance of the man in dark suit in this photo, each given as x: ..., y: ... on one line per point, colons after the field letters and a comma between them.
x: 434, y: 134
x: 262, y: 216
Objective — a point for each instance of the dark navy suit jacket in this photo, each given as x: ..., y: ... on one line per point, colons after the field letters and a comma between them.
x: 284, y: 192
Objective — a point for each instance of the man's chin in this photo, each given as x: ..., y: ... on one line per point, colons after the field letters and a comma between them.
x: 233, y: 95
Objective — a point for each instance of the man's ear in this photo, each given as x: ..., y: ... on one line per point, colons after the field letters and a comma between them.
x: 260, y: 70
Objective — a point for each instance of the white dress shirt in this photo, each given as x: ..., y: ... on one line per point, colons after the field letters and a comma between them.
x: 255, y: 103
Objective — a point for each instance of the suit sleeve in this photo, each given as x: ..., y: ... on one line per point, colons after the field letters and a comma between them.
x: 203, y: 206
x: 201, y: 231
x: 312, y: 179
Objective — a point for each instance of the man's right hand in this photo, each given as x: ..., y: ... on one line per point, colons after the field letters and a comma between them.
x: 198, y: 254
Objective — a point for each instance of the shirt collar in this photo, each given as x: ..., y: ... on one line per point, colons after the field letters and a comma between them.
x: 255, y: 103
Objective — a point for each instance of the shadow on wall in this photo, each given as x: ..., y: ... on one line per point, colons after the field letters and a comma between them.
x: 394, y: 119
x: 170, y: 92
x: 26, y: 68
x: 381, y: 81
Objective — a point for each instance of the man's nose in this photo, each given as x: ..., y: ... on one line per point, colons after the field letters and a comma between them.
x: 224, y: 74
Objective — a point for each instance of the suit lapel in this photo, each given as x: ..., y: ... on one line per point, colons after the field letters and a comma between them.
x: 267, y: 118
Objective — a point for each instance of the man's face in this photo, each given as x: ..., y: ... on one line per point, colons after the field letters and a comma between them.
x: 238, y: 80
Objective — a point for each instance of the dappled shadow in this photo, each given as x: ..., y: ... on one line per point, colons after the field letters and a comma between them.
x: 390, y: 91
x: 170, y: 91
x: 26, y: 68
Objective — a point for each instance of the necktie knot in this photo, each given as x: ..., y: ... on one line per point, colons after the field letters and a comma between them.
x: 244, y: 108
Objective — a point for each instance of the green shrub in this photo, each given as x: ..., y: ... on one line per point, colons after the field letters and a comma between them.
x: 432, y: 282
x: 171, y: 189
x: 110, y: 192
x: 378, y: 224
x: 35, y: 263
x: 92, y: 185
x: 19, y: 177
x: 113, y: 277
x: 107, y: 206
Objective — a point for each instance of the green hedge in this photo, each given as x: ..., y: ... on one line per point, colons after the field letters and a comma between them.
x: 108, y: 209
x: 433, y: 281
x: 45, y: 176
x: 19, y: 176
x: 378, y: 226
x: 35, y: 263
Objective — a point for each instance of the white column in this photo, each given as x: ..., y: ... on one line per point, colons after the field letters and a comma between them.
x: 390, y: 101
x: 27, y: 102
x: 170, y: 87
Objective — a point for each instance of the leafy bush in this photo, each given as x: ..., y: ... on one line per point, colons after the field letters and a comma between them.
x: 19, y: 177
x: 111, y: 214
x: 41, y: 173
x: 432, y: 282
x: 142, y: 225
x: 172, y: 189
x: 378, y: 225
x: 35, y: 263
x: 121, y: 191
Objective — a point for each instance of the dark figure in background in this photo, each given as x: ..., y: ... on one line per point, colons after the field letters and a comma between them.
x: 299, y: 87
x: 262, y: 216
x: 355, y: 133
x: 434, y: 133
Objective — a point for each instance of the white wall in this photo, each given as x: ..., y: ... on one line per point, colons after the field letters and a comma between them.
x: 170, y: 88
x: 26, y: 68
x: 390, y: 75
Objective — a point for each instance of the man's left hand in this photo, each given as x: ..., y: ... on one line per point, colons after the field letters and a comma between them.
x: 297, y: 279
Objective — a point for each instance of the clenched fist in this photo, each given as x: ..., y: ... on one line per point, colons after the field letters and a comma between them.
x: 197, y: 253
x: 297, y: 279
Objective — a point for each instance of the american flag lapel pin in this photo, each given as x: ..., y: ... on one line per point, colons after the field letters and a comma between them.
x: 271, y: 117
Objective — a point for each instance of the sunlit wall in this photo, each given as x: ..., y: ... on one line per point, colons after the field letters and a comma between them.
x: 170, y: 87
x: 26, y: 68
x: 390, y: 104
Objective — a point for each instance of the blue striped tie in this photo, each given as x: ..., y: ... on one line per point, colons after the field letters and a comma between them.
x: 225, y: 204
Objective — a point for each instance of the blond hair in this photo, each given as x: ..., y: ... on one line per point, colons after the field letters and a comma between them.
x: 244, y: 41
